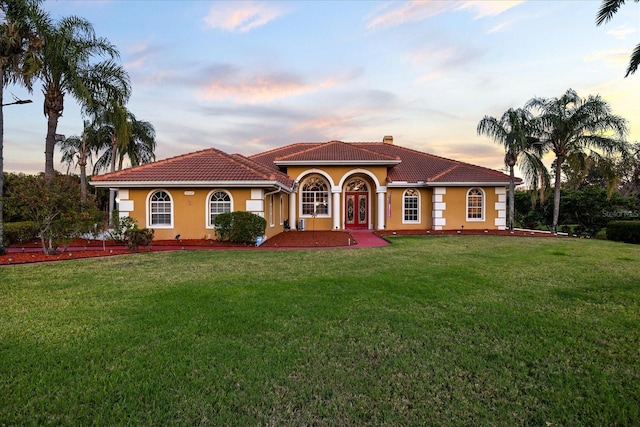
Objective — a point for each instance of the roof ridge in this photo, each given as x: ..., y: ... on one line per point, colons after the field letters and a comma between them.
x: 321, y: 145
x: 244, y: 165
x: 444, y: 172
x: 458, y: 162
x: 297, y: 153
x: 257, y: 167
x: 163, y: 161
x: 273, y: 150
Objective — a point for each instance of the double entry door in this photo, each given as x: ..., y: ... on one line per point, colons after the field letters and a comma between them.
x: 356, y: 210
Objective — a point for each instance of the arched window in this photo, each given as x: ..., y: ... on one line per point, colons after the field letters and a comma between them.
x: 357, y: 185
x: 475, y: 205
x: 219, y: 202
x: 160, y: 209
x: 411, y: 206
x: 315, y: 197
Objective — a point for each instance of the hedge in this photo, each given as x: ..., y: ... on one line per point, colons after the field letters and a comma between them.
x: 624, y: 231
x: 240, y: 227
x: 19, y: 232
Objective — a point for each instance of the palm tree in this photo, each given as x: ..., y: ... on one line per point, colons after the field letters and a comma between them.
x: 130, y: 137
x: 513, y: 132
x: 70, y: 47
x: 19, y: 43
x: 570, y: 124
x: 606, y: 12
x: 78, y: 150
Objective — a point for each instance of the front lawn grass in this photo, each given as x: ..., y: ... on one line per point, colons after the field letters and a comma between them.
x: 449, y: 330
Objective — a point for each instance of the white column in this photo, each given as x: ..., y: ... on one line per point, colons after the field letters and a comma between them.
x: 336, y: 210
x: 382, y: 193
x: 293, y: 223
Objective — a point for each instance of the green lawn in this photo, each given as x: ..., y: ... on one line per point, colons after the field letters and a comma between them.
x: 458, y: 330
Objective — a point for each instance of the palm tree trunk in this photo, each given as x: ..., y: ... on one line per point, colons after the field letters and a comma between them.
x: 50, y: 145
x: 83, y: 180
x: 112, y: 193
x: 542, y: 188
x: 512, y: 197
x: 556, y: 193
x: 2, y: 248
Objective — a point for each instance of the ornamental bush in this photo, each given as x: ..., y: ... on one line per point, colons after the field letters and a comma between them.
x: 240, y: 227
x: 624, y: 231
x: 19, y: 232
x: 136, y: 237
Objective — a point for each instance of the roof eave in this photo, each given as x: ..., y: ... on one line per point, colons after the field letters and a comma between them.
x: 192, y: 184
x: 470, y: 183
x: 337, y: 162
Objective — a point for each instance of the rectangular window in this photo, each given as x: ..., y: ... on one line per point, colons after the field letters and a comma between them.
x: 475, y: 205
x: 411, y: 206
x: 161, y: 213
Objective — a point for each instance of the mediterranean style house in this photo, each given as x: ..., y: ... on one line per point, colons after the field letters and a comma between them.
x: 311, y: 186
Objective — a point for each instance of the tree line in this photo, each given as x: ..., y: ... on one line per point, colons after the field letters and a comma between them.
x: 582, y: 134
x: 68, y: 58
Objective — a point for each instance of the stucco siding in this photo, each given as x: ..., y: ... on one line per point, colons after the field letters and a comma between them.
x: 456, y: 209
x: 190, y: 211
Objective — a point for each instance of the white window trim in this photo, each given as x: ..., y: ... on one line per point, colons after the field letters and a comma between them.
x: 272, y: 223
x: 404, y: 194
x: 148, y: 208
x: 300, y: 204
x: 281, y: 209
x: 207, y: 207
x: 484, y: 203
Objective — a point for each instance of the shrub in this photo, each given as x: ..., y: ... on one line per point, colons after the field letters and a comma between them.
x: 624, y: 231
x: 136, y: 237
x: 120, y: 227
x: 240, y: 227
x: 19, y: 232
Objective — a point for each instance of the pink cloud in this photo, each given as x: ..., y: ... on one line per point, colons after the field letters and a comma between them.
x: 243, y: 16
x: 394, y: 14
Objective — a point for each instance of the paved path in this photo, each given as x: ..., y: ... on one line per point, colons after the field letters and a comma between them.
x: 367, y: 239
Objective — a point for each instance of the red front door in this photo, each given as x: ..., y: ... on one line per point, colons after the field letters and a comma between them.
x: 356, y: 210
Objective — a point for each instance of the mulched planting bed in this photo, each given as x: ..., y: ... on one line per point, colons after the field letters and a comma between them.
x: 31, y: 252
x: 309, y: 239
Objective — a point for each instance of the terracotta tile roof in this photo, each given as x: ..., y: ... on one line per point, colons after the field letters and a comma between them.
x: 418, y: 166
x: 268, y: 158
x: 213, y: 165
x: 209, y: 165
x: 337, y: 151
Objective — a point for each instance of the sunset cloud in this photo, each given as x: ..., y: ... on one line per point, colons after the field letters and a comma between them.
x: 609, y: 56
x: 243, y: 16
x: 227, y: 82
x: 395, y: 14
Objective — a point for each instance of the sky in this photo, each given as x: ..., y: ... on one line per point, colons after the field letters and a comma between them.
x: 249, y: 76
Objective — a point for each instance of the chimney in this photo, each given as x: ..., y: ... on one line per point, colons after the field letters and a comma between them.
x: 388, y: 139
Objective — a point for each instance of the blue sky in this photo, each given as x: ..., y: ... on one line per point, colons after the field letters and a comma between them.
x: 245, y: 77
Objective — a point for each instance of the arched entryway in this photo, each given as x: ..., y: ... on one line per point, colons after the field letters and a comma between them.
x: 356, y: 204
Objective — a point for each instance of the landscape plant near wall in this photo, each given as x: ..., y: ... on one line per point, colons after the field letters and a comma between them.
x: 239, y: 227
x: 54, y: 209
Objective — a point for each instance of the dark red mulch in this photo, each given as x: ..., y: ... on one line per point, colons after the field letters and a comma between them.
x: 309, y: 239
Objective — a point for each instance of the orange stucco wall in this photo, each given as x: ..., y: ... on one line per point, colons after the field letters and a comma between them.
x: 190, y: 207
x: 190, y: 211
x: 456, y: 209
x: 395, y: 222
